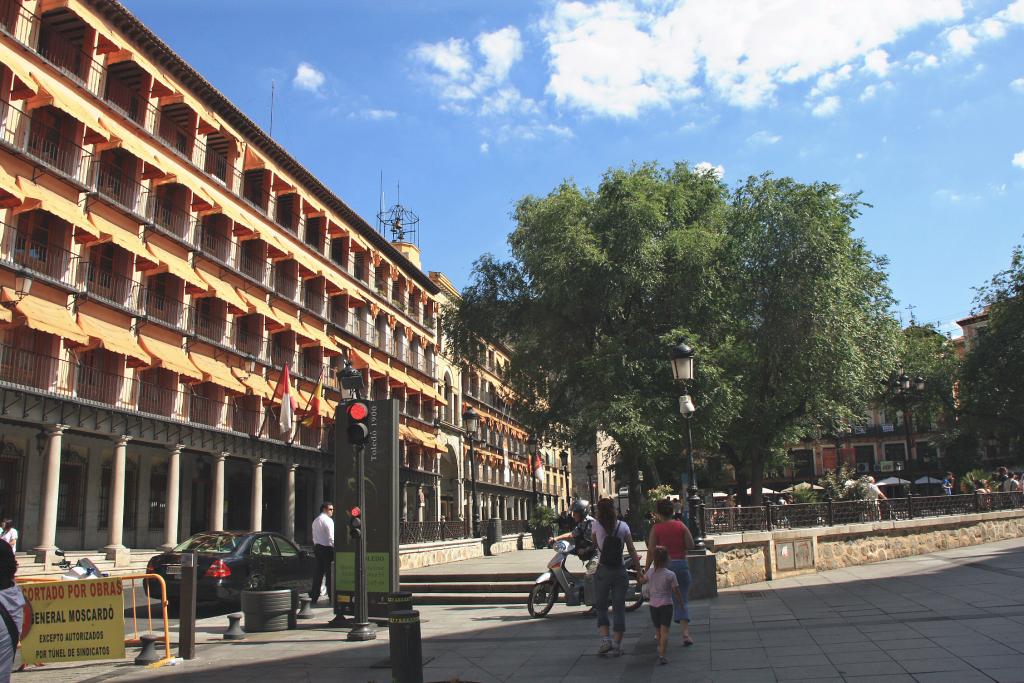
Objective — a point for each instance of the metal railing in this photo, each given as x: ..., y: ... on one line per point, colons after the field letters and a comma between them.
x: 171, y: 219
x: 253, y: 267
x: 431, y: 532
x: 114, y: 288
x: 249, y: 343
x: 118, y: 187
x: 60, y: 154
x: 213, y: 245
x: 50, y: 261
x: 210, y: 328
x: 724, y: 520
x: 166, y: 309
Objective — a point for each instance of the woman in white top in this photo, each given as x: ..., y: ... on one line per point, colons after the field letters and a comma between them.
x: 610, y: 579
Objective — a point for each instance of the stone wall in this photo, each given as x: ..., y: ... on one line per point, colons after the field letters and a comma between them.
x: 417, y: 555
x: 762, y: 556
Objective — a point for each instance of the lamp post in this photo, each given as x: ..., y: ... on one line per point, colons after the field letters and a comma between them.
x: 590, y: 482
x: 531, y: 449
x: 682, y: 357
x: 565, y: 473
x: 908, y: 388
x: 470, y: 421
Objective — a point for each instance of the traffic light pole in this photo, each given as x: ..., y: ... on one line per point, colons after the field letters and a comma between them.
x: 361, y: 630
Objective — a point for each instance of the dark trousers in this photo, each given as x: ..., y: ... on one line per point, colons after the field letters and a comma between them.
x: 324, y: 558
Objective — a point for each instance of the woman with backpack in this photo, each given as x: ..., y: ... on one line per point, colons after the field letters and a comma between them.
x: 610, y: 580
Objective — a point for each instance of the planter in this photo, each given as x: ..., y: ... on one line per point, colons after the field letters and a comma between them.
x: 267, y: 610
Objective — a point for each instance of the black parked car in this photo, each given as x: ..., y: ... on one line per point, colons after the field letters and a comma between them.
x: 232, y: 561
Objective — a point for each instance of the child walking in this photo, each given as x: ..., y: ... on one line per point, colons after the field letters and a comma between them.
x: 663, y: 584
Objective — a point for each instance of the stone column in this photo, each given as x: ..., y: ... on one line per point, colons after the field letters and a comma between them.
x: 256, y: 518
x: 171, y: 521
x: 289, y: 504
x: 115, y: 527
x: 420, y: 503
x: 405, y: 503
x: 48, y: 510
x: 217, y: 514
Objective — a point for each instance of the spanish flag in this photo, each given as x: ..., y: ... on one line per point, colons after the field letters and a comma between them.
x: 283, y: 393
x: 312, y: 418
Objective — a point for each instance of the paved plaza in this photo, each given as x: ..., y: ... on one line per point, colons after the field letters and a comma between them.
x: 951, y: 616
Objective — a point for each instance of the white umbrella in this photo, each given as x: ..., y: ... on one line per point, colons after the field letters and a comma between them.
x: 763, y: 491
x: 803, y: 486
x: 894, y: 481
x: 928, y: 480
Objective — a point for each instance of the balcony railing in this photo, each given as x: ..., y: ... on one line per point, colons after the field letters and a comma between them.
x: 54, y: 263
x: 118, y: 187
x: 279, y: 355
x: 60, y: 154
x: 313, y: 300
x: 253, y: 267
x: 310, y: 368
x: 171, y: 219
x: 165, y: 309
x: 214, y: 246
x: 210, y: 328
x: 111, y: 287
x: 249, y: 343
x: 285, y: 284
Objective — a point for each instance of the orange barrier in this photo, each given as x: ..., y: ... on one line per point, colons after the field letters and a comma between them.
x: 135, y: 639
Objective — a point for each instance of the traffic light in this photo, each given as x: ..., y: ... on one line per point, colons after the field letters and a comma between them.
x: 358, y: 412
x: 355, y: 523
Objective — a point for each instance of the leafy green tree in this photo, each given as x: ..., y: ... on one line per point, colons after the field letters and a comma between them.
x: 991, y: 391
x: 807, y: 336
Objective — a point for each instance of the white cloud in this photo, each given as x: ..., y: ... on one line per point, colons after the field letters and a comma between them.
x: 533, y: 130
x: 859, y: 156
x: 826, y: 107
x: 954, y: 197
x: 1017, y: 84
x: 501, y: 50
x: 506, y: 100
x: 763, y: 137
x: 868, y: 93
x: 830, y: 80
x: 1018, y: 159
x: 484, y: 148
x: 450, y: 57
x: 308, y: 77
x: 877, y: 62
x: 706, y: 166
x: 922, y: 60
x: 620, y: 57
x: 377, y: 114
x: 961, y: 41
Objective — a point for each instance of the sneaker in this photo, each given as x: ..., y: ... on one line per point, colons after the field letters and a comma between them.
x: 617, y: 650
x: 605, y: 648
x: 662, y: 660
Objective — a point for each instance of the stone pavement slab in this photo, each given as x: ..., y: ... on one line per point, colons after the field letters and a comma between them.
x: 884, y: 622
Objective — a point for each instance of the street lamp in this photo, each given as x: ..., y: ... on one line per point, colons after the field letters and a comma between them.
x: 565, y: 473
x: 590, y: 482
x: 907, y: 388
x: 470, y: 421
x: 682, y: 357
x: 531, y: 449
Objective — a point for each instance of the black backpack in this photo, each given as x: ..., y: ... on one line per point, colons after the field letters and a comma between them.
x: 585, y: 548
x: 611, y: 549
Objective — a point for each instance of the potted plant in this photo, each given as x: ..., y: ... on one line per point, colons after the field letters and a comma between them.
x: 542, y: 523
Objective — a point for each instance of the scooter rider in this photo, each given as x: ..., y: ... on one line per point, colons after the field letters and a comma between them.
x: 582, y: 534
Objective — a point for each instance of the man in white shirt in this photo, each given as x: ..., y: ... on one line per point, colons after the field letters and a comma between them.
x: 323, y: 547
x: 10, y: 534
x: 874, y: 494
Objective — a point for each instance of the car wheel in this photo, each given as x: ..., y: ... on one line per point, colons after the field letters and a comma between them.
x: 255, y: 582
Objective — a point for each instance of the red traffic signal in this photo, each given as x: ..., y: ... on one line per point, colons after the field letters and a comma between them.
x: 355, y: 512
x: 358, y: 428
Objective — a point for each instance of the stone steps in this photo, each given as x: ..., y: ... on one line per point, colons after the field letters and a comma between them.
x: 29, y: 568
x: 509, y: 588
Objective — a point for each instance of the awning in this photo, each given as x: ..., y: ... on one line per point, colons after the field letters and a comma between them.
x: 363, y: 360
x: 274, y: 243
x: 49, y: 317
x: 223, y: 291
x: 289, y: 321
x: 178, y: 267
x: 113, y: 338
x: 217, y: 372
x: 170, y: 357
x: 255, y: 303
x: 66, y: 100
x: 307, y: 263
x: 254, y: 381
x: 122, y: 237
x: 40, y: 197
x: 21, y: 72
x: 322, y: 338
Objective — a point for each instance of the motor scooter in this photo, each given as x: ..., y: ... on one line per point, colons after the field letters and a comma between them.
x: 578, y: 590
x: 83, y: 569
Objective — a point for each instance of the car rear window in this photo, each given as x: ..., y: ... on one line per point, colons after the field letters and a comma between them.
x: 214, y: 544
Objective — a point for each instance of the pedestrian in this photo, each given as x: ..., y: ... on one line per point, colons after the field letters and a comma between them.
x: 947, y: 484
x: 874, y: 495
x: 610, y: 579
x: 12, y: 611
x: 323, y: 548
x: 10, y: 534
x: 673, y: 536
x: 665, y: 592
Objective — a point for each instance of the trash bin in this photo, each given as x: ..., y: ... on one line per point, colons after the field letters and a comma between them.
x: 493, y: 531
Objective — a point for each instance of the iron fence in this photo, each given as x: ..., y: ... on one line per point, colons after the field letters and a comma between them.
x: 430, y: 532
x: 726, y: 520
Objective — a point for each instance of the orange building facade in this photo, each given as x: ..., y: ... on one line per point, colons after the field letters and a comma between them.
x: 161, y: 260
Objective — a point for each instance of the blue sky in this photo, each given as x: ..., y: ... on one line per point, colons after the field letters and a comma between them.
x: 471, y: 105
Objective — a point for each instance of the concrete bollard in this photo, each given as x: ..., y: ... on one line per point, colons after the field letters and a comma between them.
x: 149, y: 654
x: 305, y: 607
x: 406, y: 648
x: 234, y: 631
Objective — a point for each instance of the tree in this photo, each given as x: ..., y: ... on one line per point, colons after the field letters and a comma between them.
x: 787, y: 311
x: 807, y: 336
x: 991, y: 391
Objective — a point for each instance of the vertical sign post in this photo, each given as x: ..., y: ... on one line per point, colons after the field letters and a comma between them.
x: 379, y: 510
